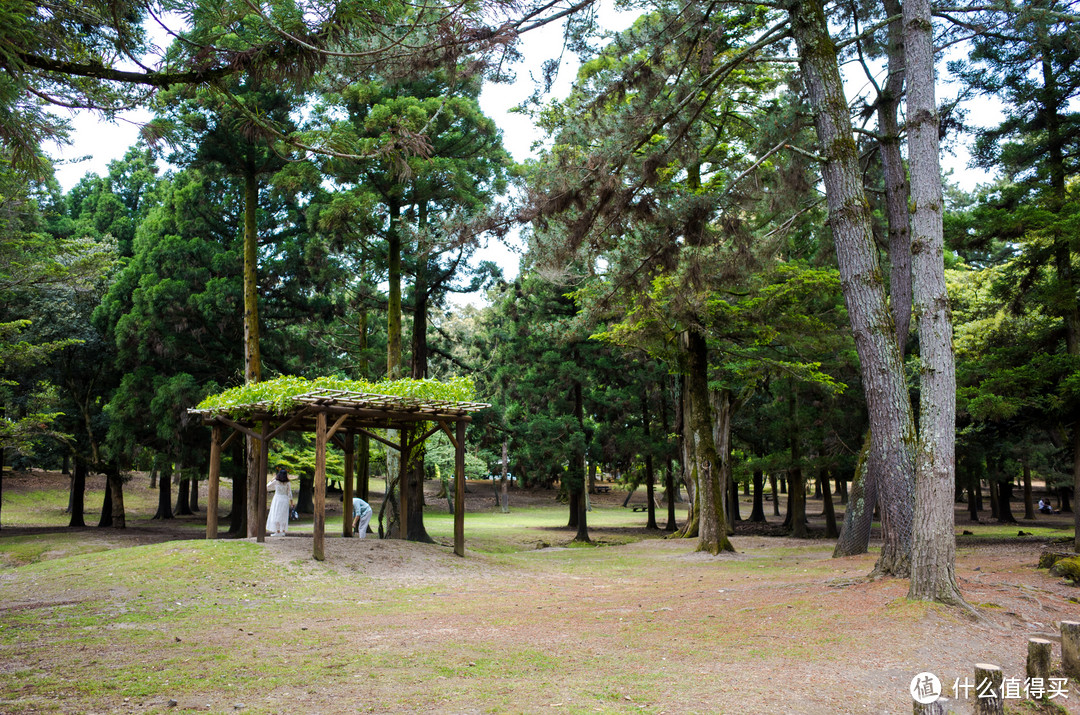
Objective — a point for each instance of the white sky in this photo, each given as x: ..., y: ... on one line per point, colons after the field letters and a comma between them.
x: 101, y: 142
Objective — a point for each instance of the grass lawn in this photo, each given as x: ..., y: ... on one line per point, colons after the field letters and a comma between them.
x: 156, y: 619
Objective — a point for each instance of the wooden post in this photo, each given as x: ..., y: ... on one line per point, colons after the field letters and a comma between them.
x: 988, y: 683
x: 1070, y: 648
x: 261, y: 461
x: 459, y: 491
x: 346, y: 502
x: 1038, y: 659
x: 403, y: 485
x: 319, y: 525
x: 215, y: 478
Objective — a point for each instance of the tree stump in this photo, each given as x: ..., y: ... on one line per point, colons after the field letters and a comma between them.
x: 938, y: 707
x: 988, y: 682
x: 1038, y: 659
x: 1070, y: 648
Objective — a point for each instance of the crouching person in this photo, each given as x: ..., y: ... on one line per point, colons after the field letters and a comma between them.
x: 361, y: 516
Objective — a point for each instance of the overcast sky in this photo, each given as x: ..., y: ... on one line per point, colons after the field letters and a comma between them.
x: 97, y: 142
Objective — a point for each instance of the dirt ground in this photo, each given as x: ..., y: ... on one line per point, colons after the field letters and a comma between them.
x: 778, y: 627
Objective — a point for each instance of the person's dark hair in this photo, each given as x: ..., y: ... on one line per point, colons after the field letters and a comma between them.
x: 282, y: 475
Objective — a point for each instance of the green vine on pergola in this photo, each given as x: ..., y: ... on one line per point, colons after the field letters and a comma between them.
x: 280, y: 395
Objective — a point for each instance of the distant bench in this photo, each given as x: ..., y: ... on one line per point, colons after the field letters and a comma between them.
x: 603, y: 489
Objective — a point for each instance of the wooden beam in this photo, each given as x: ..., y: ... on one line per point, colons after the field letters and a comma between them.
x: 336, y: 426
x: 346, y: 501
x: 449, y: 434
x: 377, y: 438
x: 260, y: 474
x: 230, y: 438
x: 403, y: 485
x: 319, y: 527
x: 290, y: 422
x: 459, y: 491
x: 420, y: 440
x: 215, y: 472
x: 237, y: 426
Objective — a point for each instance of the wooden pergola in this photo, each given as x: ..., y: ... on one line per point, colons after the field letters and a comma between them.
x: 338, y: 416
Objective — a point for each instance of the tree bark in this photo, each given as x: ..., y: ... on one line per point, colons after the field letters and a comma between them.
x: 757, y: 514
x: 933, y: 555
x: 830, y: 514
x: 393, y: 308
x: 670, y: 494
x: 164, y: 507
x: 78, y: 492
x: 895, y: 175
x: 881, y: 366
x: 1029, y: 499
x: 105, y: 519
x: 650, y: 476
x: 252, y: 357
x: 578, y: 465
x: 712, y: 527
x: 1005, y: 515
x: 859, y: 516
x: 116, y: 493
x: 183, y: 495
x: 775, y: 495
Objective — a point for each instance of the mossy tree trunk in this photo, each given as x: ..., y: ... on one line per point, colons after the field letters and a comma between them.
x: 712, y: 526
x: 859, y: 516
x: 881, y: 367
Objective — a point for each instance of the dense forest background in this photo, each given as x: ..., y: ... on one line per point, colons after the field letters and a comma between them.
x: 687, y: 309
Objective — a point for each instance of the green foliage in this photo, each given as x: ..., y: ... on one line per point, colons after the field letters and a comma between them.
x: 278, y: 395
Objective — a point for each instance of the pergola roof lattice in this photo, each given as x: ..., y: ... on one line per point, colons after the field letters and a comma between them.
x: 354, y: 413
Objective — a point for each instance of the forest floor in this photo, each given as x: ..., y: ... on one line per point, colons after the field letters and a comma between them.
x: 154, y: 618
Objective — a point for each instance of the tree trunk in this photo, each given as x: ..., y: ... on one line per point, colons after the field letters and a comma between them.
x: 670, y: 493
x: 859, y: 516
x: 712, y: 526
x: 305, y: 494
x: 650, y: 476
x: 252, y: 357
x: 722, y: 410
x: 973, y: 497
x: 796, y: 516
x: 183, y: 495
x: 881, y: 366
x: 164, y: 508
x: 193, y: 500
x: 895, y: 175
x: 775, y: 495
x: 78, y: 492
x: 238, y: 510
x: 994, y: 512
x: 841, y: 488
x: 830, y: 514
x: 578, y: 465
x: 757, y: 514
x: 116, y: 494
x: 393, y: 309
x: 106, y: 506
x: 1005, y: 515
x: 504, y: 497
x: 1029, y: 500
x: 933, y: 554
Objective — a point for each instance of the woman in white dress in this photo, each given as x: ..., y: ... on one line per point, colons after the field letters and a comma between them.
x: 277, y: 521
